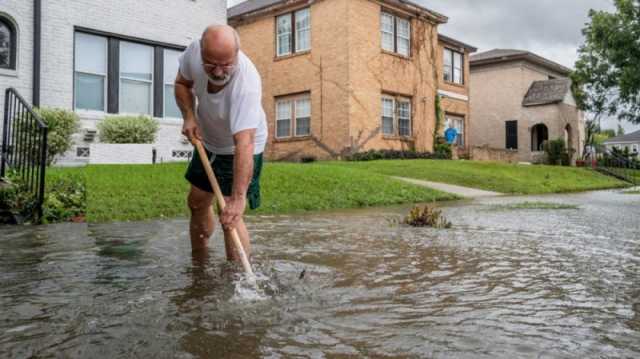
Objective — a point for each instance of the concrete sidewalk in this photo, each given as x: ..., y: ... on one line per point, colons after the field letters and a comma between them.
x: 465, y: 192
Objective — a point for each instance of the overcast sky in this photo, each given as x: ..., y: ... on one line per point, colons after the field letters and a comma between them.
x: 550, y: 28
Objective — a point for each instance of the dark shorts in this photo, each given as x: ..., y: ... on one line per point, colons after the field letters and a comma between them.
x: 223, y: 169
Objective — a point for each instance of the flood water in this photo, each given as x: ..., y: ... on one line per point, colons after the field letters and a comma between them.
x: 499, y: 284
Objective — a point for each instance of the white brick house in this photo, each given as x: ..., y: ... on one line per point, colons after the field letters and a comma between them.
x: 102, y: 57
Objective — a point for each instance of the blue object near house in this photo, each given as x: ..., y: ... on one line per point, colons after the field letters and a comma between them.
x: 450, y: 135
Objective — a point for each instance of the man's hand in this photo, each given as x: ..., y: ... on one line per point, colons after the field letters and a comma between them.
x: 233, y: 212
x: 191, y: 130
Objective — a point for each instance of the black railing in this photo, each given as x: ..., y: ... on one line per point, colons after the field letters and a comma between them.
x: 626, y: 168
x: 24, y: 145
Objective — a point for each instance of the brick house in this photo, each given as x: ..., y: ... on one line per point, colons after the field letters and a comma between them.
x: 519, y: 100
x: 342, y: 76
x: 102, y: 57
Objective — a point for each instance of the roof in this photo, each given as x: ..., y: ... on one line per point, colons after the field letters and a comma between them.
x: 547, y: 92
x: 250, y: 6
x: 254, y: 7
x: 507, y: 55
x: 630, y: 137
x: 452, y: 41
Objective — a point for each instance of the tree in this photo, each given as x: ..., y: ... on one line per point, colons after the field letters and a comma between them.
x: 620, y: 131
x: 607, y: 73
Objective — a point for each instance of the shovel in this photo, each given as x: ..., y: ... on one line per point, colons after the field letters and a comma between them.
x: 221, y: 204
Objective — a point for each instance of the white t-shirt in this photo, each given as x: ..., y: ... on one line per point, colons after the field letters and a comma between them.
x: 237, y: 107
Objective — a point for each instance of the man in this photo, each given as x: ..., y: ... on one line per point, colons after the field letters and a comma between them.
x: 231, y: 123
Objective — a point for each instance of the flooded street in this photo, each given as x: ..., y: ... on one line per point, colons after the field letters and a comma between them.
x: 502, y: 283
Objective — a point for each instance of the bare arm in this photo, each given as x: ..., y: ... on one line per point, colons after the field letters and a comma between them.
x: 243, y: 162
x: 242, y: 174
x: 186, y: 101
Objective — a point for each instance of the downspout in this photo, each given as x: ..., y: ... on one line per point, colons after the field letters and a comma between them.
x: 37, y: 35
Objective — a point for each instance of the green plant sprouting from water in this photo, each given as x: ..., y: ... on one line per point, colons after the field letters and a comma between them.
x: 426, y: 217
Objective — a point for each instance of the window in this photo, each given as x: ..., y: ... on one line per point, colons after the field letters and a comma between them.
x: 303, y: 117
x: 458, y: 124
x: 136, y: 78
x: 8, y: 45
x: 395, y: 34
x: 396, y: 116
x: 293, y: 32
x: 635, y: 148
x: 293, y: 116
x: 511, y: 129
x: 90, y: 75
x: 453, y: 66
x: 170, y: 72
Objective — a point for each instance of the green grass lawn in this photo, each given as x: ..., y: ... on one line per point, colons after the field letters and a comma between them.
x: 499, y: 177
x: 136, y: 192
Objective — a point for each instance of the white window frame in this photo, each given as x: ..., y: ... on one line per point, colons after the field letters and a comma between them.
x: 395, y: 34
x: 382, y: 116
x: 305, y: 97
x: 297, y: 31
x: 105, y: 75
x: 406, y: 100
x: 166, y: 83
x: 120, y: 78
x: 293, y: 115
x: 278, y: 35
x: 460, y: 70
x: 385, y: 15
x: 399, y: 36
x: 395, y: 101
x: 293, y: 33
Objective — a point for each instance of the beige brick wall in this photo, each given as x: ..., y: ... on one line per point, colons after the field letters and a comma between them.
x: 373, y: 72
x: 346, y: 72
x: 322, y: 72
x: 496, y: 96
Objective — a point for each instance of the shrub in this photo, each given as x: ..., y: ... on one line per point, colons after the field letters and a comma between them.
x: 373, y: 155
x: 426, y: 217
x: 556, y: 153
x: 17, y: 203
x: 65, y: 197
x: 128, y: 129
x: 442, y: 151
x: 62, y: 125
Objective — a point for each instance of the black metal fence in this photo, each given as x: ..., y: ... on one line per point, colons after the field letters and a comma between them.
x: 619, y: 165
x: 24, y: 145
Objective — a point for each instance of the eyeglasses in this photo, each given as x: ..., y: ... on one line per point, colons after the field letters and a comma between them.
x: 212, y: 67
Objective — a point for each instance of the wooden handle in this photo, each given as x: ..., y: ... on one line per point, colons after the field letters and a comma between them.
x: 222, y: 204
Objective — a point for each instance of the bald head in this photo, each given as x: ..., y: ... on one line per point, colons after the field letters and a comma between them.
x: 220, y: 41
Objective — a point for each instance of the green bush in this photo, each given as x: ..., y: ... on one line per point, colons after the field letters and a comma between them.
x: 556, y: 153
x: 17, y: 203
x: 128, y: 129
x: 373, y: 155
x: 65, y: 197
x: 442, y: 151
x: 62, y: 125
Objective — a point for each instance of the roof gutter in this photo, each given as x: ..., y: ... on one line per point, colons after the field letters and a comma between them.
x: 37, y: 47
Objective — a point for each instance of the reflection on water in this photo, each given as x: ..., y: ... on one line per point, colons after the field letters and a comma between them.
x: 499, y: 284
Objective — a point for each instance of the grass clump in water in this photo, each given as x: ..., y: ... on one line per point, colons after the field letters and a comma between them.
x: 632, y: 192
x: 534, y: 205
x: 426, y: 217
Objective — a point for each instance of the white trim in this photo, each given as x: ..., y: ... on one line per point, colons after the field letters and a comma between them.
x: 453, y: 95
x: 12, y: 72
